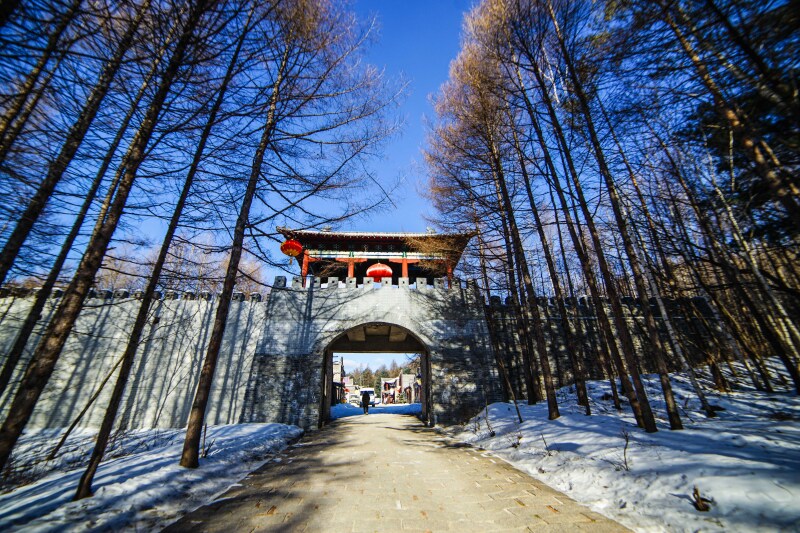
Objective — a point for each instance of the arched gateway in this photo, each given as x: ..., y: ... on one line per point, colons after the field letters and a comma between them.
x: 413, y: 311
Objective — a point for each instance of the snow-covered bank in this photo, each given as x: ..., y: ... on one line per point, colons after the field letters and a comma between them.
x: 747, y: 461
x: 144, y: 489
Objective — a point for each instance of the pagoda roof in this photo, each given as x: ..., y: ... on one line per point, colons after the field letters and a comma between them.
x: 422, y: 250
x: 368, y: 235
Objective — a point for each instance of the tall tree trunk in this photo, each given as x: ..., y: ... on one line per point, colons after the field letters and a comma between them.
x: 636, y: 393
x: 191, y: 444
x: 501, y: 365
x: 85, y: 485
x: 12, y: 358
x: 786, y: 324
x: 520, y: 321
x: 571, y: 345
x: 52, y: 343
x: 581, y: 330
x: 650, y: 280
x: 726, y: 326
x: 530, y: 295
x: 774, y: 340
x: 622, y: 226
x: 491, y: 317
x: 527, y: 321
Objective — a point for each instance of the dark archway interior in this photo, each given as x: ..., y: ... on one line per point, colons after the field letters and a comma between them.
x: 375, y: 337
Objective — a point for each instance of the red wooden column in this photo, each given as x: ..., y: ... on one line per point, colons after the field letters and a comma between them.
x: 351, y: 264
x: 404, y: 263
x: 307, y: 260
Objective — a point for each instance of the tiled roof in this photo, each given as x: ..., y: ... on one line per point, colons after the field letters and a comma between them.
x: 288, y: 232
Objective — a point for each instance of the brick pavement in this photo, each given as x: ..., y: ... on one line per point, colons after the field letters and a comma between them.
x: 389, y: 473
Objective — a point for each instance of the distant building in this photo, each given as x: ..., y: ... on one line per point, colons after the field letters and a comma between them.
x: 405, y: 388
x: 339, y: 394
x: 410, y: 387
x: 389, y: 390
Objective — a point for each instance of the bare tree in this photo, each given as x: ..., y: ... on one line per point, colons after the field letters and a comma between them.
x: 85, y: 485
x: 317, y: 97
x: 55, y: 336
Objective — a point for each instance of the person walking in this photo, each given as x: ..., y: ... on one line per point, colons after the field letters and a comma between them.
x: 365, y: 401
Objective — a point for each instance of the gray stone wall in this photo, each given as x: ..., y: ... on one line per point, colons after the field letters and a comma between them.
x: 271, y: 363
x: 165, y: 373
x: 270, y: 366
x: 285, y: 384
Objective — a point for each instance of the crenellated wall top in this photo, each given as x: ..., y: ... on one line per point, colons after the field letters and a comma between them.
x: 334, y: 283
x: 123, y: 294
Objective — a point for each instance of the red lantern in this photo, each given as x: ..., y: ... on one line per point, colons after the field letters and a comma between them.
x: 378, y: 271
x: 292, y: 248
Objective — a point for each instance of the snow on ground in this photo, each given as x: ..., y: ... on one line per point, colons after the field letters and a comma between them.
x: 345, y: 409
x: 747, y: 461
x: 140, y: 487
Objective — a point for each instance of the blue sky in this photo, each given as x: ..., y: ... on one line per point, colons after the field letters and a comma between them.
x: 417, y: 39
x: 373, y: 360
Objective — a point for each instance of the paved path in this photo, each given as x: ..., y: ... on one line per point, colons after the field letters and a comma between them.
x: 389, y: 473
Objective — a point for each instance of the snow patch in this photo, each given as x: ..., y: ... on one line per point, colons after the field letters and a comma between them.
x: 140, y: 486
x: 747, y: 460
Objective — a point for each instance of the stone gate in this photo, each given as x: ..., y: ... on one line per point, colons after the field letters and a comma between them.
x: 372, y: 292
x: 290, y: 376
x: 275, y: 363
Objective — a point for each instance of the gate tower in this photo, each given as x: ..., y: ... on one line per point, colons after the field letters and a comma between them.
x: 372, y: 292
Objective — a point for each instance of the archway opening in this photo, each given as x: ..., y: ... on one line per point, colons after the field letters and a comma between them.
x: 383, y: 342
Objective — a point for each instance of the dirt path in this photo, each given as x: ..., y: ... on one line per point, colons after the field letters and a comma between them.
x: 389, y: 473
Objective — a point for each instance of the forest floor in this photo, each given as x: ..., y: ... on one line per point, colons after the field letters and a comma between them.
x: 140, y: 486
x: 746, y: 461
